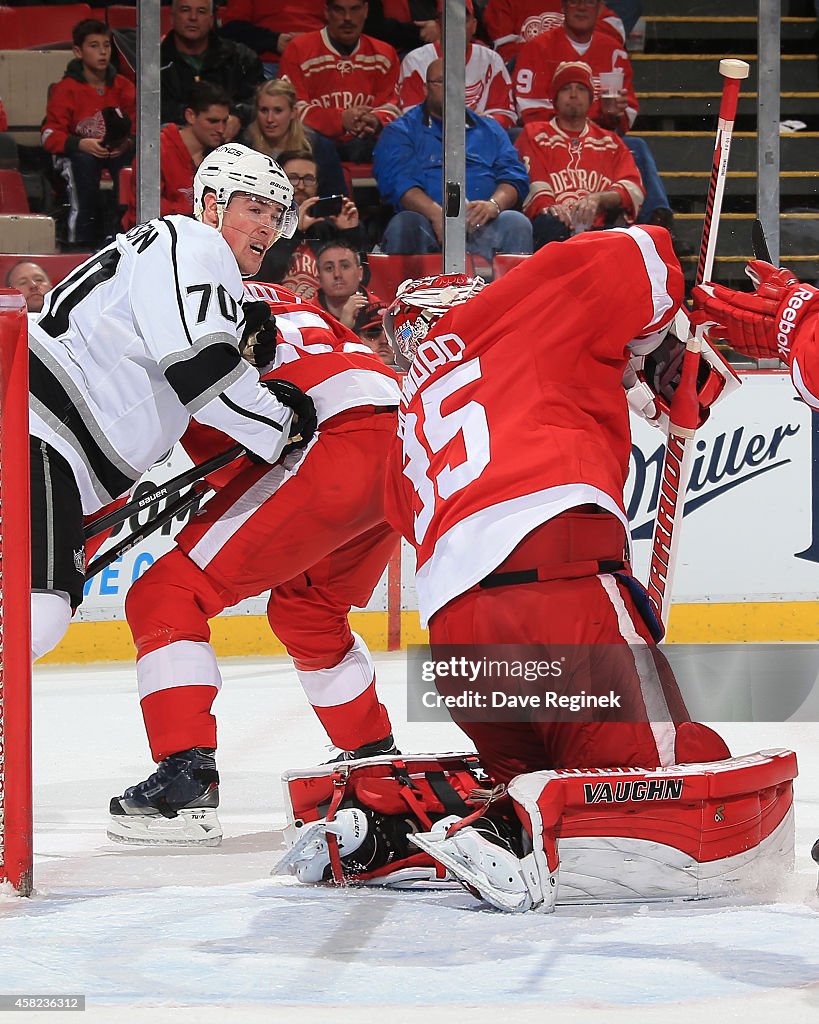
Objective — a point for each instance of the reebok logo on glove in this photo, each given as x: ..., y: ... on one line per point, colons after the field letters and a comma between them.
x: 788, y: 317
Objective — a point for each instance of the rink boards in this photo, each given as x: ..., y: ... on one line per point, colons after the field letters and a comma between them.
x: 748, y: 566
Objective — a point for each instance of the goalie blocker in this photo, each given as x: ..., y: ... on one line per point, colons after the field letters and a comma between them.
x: 687, y: 831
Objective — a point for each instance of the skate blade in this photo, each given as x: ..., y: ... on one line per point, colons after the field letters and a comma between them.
x: 310, y: 834
x: 447, y: 854
x: 192, y: 827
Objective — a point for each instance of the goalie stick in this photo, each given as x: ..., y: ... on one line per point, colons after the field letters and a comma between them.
x: 684, y: 410
x: 759, y: 242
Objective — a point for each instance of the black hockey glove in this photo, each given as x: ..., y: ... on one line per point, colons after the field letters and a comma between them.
x: 305, y: 421
x: 258, y: 341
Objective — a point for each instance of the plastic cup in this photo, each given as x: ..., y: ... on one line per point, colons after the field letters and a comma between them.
x: 611, y: 82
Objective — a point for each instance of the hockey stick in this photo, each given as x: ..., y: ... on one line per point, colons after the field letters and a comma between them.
x: 684, y: 410
x: 190, y: 476
x: 759, y: 242
x: 182, y: 503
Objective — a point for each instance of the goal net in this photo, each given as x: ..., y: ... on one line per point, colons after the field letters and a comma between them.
x: 15, y: 586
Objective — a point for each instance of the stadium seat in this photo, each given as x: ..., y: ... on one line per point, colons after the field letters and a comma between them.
x: 13, y: 198
x: 123, y: 16
x: 503, y: 262
x: 57, y: 266
x: 387, y: 272
x: 358, y: 175
x: 25, y: 76
x: 27, y: 232
x: 124, y: 182
x: 40, y: 27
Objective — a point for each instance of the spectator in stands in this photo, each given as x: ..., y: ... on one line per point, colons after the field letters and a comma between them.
x: 488, y: 85
x: 346, y: 82
x: 582, y: 175
x: 276, y: 129
x: 407, y: 165
x: 87, y: 128
x: 404, y: 24
x: 511, y: 23
x: 369, y: 326
x: 580, y: 39
x: 30, y: 279
x: 267, y: 26
x: 292, y: 261
x: 629, y: 12
x: 340, y: 275
x: 182, y: 150
x: 193, y: 52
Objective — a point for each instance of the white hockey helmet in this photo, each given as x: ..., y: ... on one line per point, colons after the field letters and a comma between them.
x: 419, y: 305
x: 235, y: 168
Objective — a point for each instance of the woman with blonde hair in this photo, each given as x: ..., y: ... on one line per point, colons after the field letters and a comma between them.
x: 277, y: 129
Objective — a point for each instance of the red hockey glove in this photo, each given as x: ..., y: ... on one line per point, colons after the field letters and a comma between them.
x: 761, y: 324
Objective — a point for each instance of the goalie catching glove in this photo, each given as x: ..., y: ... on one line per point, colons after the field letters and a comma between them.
x: 652, y: 378
x: 763, y: 323
x: 258, y: 341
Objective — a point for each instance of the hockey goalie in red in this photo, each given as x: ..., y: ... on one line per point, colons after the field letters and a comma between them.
x: 779, y: 319
x: 509, y: 484
x: 311, y: 529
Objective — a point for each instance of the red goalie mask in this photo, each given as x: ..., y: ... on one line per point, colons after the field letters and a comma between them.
x: 419, y: 305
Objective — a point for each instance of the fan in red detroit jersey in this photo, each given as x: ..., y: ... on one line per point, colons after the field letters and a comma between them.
x: 513, y: 460
x: 779, y: 320
x: 312, y: 530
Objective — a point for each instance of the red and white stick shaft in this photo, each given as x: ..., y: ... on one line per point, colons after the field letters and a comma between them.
x: 684, y: 411
x: 733, y: 72
x: 679, y: 452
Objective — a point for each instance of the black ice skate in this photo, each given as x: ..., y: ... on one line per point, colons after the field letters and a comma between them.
x: 378, y: 748
x: 175, y: 806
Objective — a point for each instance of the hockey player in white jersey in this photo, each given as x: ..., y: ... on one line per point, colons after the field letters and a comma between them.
x: 133, y: 343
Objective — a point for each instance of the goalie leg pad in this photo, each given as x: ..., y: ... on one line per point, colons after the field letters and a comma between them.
x: 397, y: 795
x: 684, y: 831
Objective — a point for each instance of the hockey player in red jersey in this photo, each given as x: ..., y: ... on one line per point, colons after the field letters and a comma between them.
x: 779, y: 319
x: 312, y: 530
x: 509, y: 484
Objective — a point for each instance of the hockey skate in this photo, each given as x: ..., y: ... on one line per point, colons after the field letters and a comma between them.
x: 378, y: 748
x: 309, y: 858
x: 176, y: 806
x: 367, y: 842
x: 482, y: 861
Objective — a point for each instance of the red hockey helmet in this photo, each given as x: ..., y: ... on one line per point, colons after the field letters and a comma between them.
x: 419, y: 305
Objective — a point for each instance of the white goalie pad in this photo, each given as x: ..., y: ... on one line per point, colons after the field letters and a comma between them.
x: 688, y: 831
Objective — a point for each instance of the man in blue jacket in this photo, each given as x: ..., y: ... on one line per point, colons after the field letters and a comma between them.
x: 407, y: 165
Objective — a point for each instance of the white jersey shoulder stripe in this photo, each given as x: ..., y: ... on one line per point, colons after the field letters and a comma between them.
x: 657, y: 273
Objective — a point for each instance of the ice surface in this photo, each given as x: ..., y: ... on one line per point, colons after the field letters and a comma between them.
x: 208, y: 935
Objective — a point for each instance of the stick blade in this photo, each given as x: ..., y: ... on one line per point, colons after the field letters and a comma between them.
x: 760, y: 242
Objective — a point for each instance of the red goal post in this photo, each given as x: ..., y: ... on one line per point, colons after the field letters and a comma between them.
x: 15, y: 603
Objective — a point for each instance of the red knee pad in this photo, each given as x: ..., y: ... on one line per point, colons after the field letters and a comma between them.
x: 172, y: 601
